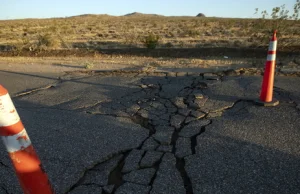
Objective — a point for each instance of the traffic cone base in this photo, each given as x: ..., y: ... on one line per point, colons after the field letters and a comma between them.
x: 274, y: 102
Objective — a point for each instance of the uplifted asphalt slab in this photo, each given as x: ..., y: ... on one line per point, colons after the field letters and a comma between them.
x: 141, y: 132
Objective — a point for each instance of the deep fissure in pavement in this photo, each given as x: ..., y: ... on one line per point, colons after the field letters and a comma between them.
x: 173, y: 141
x: 153, y: 91
x: 194, y: 139
x: 189, y: 94
x: 180, y: 163
x: 115, y: 176
x: 144, y: 122
x: 78, y: 183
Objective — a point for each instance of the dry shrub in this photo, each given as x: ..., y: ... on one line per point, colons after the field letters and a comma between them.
x: 48, y: 41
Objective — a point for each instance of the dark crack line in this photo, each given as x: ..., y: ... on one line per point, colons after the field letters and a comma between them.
x: 194, y: 138
x: 116, y: 177
x: 180, y: 164
x: 232, y: 106
x: 93, y: 184
x: 5, y: 190
x: 31, y: 91
x: 174, y: 138
x: 141, y: 145
x: 2, y: 164
x: 241, y: 109
x: 144, y: 153
x: 156, y: 167
x: 60, y: 109
x: 279, y: 91
x: 143, y: 122
x: 81, y: 179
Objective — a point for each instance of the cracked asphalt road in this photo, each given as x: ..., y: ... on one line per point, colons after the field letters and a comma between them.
x: 158, y: 132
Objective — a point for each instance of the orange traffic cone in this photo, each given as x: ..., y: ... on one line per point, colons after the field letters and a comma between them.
x: 266, y: 95
x: 25, y: 160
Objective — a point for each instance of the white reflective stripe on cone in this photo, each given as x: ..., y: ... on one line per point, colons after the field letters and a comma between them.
x: 271, y: 57
x: 8, y: 113
x: 16, y: 142
x: 273, y: 45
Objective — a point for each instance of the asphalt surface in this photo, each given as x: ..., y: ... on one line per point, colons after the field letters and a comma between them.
x: 158, y: 132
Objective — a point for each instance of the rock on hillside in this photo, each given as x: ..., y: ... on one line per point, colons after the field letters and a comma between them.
x: 140, y: 14
x: 134, y: 14
x: 200, y: 15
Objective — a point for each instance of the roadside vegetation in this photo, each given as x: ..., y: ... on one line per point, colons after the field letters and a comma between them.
x: 286, y: 23
x: 93, y: 32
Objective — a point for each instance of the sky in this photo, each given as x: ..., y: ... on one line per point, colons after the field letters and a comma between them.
x: 20, y: 9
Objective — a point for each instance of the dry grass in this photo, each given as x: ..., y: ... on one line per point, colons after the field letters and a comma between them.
x: 103, y: 31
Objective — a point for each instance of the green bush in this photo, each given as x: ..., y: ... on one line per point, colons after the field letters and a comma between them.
x: 279, y: 19
x: 150, y: 41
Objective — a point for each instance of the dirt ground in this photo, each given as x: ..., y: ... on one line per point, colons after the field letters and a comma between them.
x: 115, y: 59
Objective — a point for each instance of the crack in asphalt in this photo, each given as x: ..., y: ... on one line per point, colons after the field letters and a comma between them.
x: 146, y: 123
x: 5, y: 190
x: 180, y: 164
x: 93, y: 184
x: 153, y: 92
x: 194, y: 139
x: 283, y: 93
x: 156, y: 167
x: 143, y: 122
x: 25, y: 93
x: 82, y: 177
x: 49, y: 86
x: 4, y: 165
x: 115, y: 176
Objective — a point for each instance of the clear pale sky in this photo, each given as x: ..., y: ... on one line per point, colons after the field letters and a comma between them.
x: 18, y: 9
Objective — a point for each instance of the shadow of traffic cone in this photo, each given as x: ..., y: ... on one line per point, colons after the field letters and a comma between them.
x: 266, y: 95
